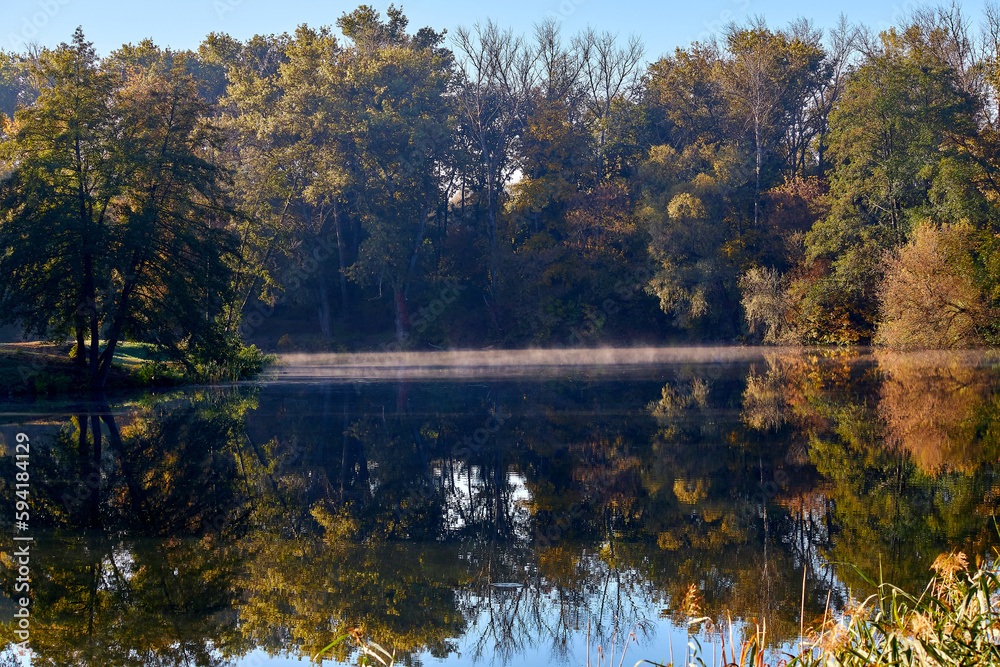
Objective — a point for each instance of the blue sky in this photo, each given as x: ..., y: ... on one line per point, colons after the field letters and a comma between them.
x: 663, y: 25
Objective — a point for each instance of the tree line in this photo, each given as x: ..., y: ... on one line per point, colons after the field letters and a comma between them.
x: 785, y: 185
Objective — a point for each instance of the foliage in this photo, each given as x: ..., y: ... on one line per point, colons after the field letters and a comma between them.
x: 112, y: 219
x: 894, y: 139
x: 325, y: 186
x: 953, y: 621
x: 929, y: 297
x: 689, y: 210
x: 765, y: 304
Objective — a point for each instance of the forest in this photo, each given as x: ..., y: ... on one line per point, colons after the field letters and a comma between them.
x: 371, y: 187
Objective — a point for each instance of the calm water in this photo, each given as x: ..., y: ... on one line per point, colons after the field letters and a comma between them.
x: 493, y: 509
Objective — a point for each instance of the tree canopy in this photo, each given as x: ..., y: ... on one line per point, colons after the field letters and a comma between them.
x: 323, y: 190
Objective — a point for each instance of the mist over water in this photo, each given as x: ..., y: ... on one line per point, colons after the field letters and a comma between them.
x: 501, y: 363
x: 312, y: 366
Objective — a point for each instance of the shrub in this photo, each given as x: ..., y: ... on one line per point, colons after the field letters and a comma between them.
x: 929, y: 298
x: 766, y: 304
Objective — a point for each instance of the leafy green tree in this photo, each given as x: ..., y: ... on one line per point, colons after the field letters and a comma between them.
x: 400, y: 123
x: 683, y: 98
x: 893, y: 143
x: 690, y: 211
x: 293, y: 175
x: 114, y: 219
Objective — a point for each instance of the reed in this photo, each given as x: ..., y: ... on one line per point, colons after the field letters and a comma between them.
x: 955, y: 620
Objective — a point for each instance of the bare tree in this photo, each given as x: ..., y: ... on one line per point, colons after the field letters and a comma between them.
x: 496, y: 75
x: 609, y: 73
x: 949, y: 35
x: 991, y: 59
x: 842, y: 45
x: 559, y: 67
x: 750, y: 82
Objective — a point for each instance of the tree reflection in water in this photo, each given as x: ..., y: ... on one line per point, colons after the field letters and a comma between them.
x: 277, y: 518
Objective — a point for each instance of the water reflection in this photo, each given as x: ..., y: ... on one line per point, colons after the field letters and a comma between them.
x: 202, y: 527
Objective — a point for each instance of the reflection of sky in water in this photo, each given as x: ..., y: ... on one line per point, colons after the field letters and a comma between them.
x: 656, y: 639
x: 19, y: 657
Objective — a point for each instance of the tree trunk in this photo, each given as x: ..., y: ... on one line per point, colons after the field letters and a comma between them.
x: 342, y: 259
x: 90, y: 297
x: 106, y: 357
x: 402, y: 320
x: 81, y: 344
x: 756, y: 199
x: 323, y: 310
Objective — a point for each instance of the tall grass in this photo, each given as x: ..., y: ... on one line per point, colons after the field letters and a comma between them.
x: 955, y: 621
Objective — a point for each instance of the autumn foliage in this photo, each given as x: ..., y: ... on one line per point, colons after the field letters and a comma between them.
x: 929, y: 297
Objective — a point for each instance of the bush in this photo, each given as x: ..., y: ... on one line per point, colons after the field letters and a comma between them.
x: 241, y: 363
x: 223, y: 357
x: 929, y: 298
x: 766, y: 305
x: 158, y: 373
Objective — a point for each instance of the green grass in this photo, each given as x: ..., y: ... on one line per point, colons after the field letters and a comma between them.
x: 47, y: 368
x: 135, y: 354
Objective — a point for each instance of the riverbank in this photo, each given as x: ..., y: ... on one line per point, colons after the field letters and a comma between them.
x: 42, y: 368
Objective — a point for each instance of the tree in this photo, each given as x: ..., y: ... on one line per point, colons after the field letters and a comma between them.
x: 765, y: 303
x: 609, y: 75
x: 16, y: 87
x: 293, y: 176
x: 395, y: 104
x: 684, y: 100
x: 843, y: 41
x: 495, y: 76
x: 766, y: 78
x: 56, y: 197
x: 114, y: 223
x: 896, y: 140
x: 929, y: 297
x: 688, y: 208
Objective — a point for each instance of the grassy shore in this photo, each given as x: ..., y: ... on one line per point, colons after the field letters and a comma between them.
x: 955, y: 620
x: 40, y: 368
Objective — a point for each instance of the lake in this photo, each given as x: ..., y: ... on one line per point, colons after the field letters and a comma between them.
x: 493, y: 507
